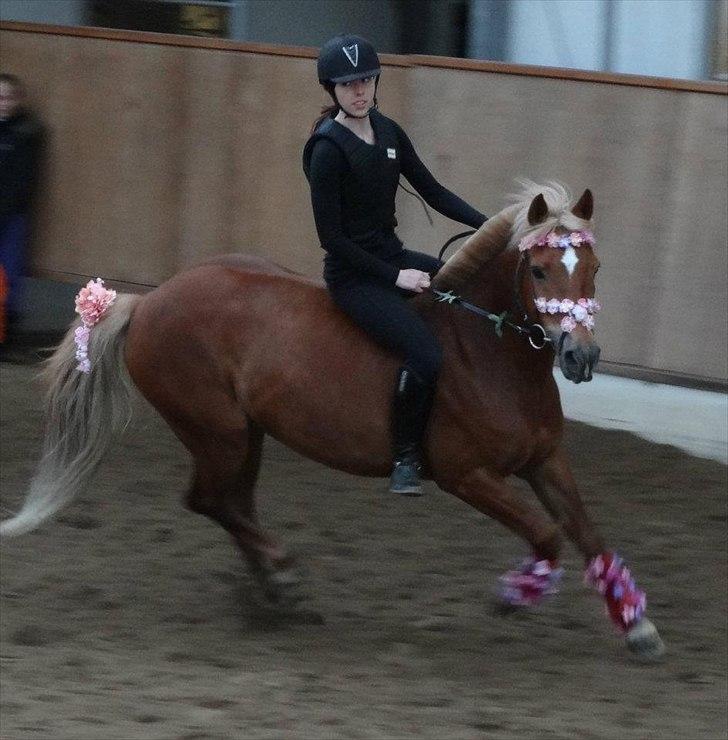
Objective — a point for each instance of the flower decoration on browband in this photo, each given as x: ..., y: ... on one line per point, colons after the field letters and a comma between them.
x: 581, y: 312
x: 551, y: 239
x: 92, y: 303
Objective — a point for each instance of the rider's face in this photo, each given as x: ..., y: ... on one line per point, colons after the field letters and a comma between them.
x: 10, y: 99
x: 356, y: 97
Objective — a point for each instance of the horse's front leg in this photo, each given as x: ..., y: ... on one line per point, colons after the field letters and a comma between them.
x: 554, y: 485
x: 537, y: 577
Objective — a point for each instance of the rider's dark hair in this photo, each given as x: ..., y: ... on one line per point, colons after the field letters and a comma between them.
x: 328, y: 111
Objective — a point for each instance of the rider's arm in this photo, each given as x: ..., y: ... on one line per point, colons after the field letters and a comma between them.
x: 328, y: 166
x: 439, y: 197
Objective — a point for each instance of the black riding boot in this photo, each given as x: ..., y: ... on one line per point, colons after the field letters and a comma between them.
x: 410, y: 411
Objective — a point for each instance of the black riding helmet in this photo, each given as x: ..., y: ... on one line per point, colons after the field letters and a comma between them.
x: 347, y: 58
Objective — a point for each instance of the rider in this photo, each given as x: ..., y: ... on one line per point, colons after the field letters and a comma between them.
x: 353, y: 162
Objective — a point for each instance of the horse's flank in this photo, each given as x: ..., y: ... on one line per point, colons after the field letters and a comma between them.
x: 249, y: 341
x: 239, y: 340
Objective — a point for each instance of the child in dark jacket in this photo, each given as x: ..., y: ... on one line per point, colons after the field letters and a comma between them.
x: 21, y: 148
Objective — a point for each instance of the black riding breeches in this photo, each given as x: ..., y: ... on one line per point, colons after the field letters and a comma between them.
x: 385, y: 315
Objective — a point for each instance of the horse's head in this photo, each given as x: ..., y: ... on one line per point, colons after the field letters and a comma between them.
x: 558, y: 266
x: 555, y: 275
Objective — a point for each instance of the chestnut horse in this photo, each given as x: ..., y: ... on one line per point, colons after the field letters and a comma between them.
x: 238, y: 347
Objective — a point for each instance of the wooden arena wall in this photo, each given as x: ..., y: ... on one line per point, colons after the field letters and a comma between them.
x: 166, y: 149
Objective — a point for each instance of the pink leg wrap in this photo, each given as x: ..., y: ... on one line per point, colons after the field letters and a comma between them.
x: 528, y: 585
x: 624, y: 601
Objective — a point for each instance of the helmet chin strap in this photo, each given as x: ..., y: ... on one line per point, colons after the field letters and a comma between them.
x: 364, y: 115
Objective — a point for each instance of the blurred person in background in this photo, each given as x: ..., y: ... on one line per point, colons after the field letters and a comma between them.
x: 353, y: 162
x: 21, y: 148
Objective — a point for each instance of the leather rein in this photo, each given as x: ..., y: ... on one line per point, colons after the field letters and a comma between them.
x: 535, y: 333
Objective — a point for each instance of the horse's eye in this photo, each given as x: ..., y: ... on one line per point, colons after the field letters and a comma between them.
x: 538, y: 273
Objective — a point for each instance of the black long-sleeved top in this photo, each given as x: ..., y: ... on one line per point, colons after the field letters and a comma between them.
x: 21, y: 147
x: 353, y: 192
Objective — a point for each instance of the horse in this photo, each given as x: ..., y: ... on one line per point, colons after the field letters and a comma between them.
x: 237, y: 347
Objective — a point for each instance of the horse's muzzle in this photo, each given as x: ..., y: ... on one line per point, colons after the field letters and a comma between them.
x: 577, y: 359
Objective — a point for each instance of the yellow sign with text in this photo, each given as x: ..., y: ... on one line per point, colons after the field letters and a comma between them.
x: 203, y: 20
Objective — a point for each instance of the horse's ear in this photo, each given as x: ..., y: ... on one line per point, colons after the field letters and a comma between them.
x: 585, y: 207
x: 538, y: 211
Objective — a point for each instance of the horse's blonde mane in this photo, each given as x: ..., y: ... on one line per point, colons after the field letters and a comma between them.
x: 507, y: 228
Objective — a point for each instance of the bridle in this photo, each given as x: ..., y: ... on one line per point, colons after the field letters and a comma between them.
x: 535, y: 333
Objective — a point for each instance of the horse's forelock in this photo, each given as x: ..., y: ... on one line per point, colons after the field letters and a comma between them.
x: 559, y: 202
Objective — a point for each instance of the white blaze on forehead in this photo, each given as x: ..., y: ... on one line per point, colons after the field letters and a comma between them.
x: 569, y: 259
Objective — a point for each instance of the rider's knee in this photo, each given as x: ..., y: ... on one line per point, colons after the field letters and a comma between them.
x: 427, y: 363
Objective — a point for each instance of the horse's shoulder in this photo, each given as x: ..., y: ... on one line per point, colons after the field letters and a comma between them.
x: 252, y: 264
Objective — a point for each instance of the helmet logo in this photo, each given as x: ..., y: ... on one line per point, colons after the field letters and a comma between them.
x: 352, y: 53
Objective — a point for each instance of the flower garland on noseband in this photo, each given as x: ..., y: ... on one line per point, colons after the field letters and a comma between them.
x: 92, y: 303
x: 581, y: 312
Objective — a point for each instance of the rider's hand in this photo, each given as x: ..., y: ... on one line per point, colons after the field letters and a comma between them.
x: 414, y: 280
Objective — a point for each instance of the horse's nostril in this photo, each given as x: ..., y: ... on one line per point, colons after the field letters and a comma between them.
x: 572, y: 366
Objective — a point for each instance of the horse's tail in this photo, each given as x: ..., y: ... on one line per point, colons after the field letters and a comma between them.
x: 84, y: 412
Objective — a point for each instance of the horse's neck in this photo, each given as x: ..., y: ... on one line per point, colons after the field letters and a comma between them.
x: 494, y: 285
x: 494, y: 288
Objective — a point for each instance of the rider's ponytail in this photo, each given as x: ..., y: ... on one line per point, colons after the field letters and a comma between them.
x: 328, y: 111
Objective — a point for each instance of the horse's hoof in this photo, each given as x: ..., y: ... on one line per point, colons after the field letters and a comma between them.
x: 277, y: 579
x: 282, y: 590
x: 644, y: 640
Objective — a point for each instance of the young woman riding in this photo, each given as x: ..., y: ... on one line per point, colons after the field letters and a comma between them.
x: 353, y: 162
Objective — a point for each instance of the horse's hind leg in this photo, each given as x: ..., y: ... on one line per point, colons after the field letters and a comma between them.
x: 270, y: 563
x: 554, y: 485
x: 223, y: 489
